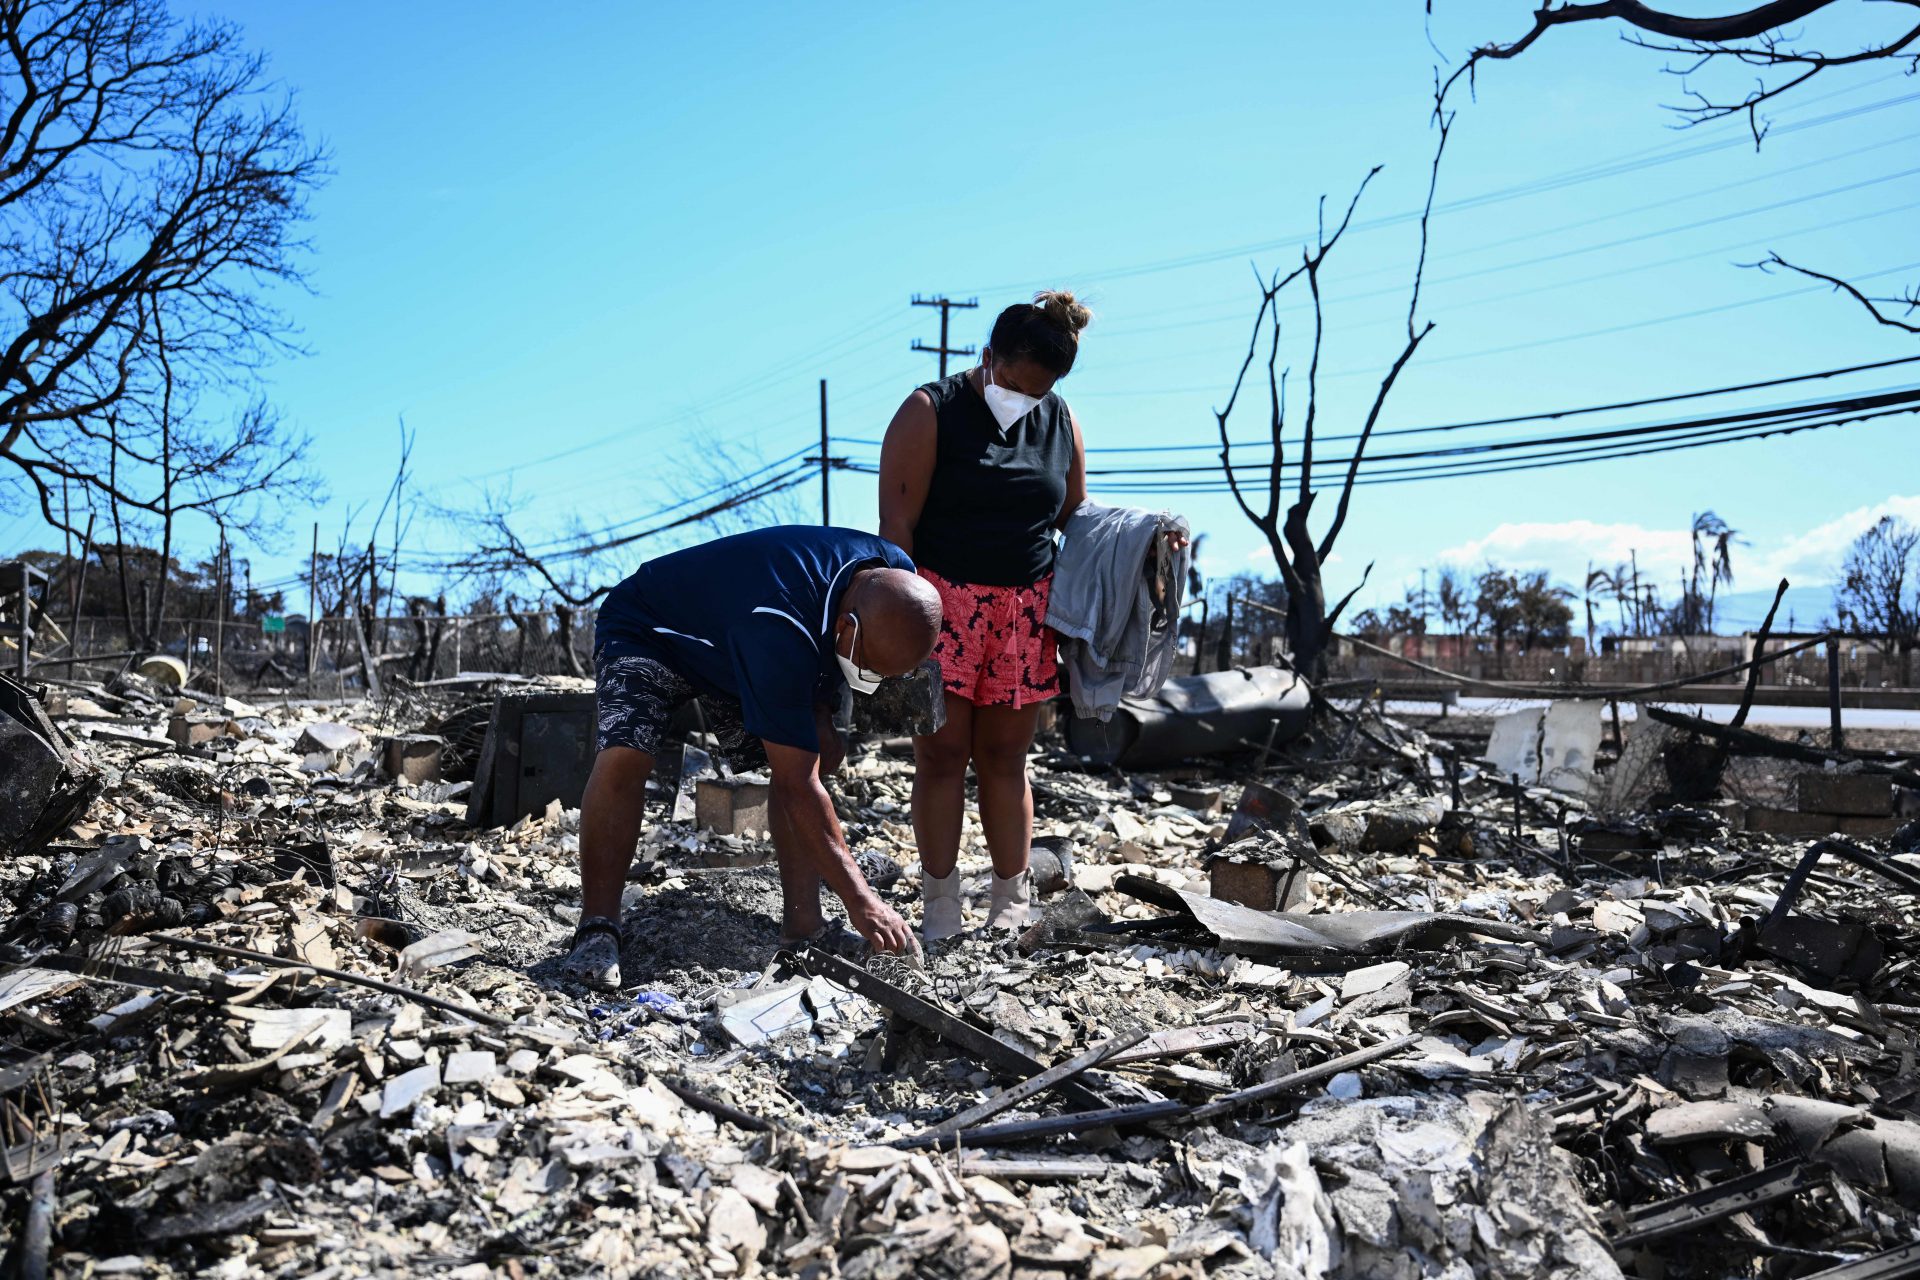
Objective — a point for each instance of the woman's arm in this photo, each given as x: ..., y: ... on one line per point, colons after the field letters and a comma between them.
x: 1076, y: 475
x: 906, y: 468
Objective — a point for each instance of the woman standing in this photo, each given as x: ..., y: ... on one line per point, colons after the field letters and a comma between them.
x: 976, y: 473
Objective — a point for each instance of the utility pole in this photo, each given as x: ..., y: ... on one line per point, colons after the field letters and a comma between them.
x: 947, y: 307
x: 826, y: 498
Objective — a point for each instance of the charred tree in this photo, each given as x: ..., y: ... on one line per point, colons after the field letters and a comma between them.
x: 1301, y: 558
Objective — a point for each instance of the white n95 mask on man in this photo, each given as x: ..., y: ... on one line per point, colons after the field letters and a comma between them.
x: 859, y: 679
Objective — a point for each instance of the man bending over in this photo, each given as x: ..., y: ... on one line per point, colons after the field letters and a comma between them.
x: 763, y: 628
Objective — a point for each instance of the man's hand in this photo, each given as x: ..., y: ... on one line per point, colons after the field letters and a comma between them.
x: 880, y: 925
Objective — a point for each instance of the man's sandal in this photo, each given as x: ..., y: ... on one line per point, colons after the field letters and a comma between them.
x: 594, y: 958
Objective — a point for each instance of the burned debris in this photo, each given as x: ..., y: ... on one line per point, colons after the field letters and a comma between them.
x: 281, y: 998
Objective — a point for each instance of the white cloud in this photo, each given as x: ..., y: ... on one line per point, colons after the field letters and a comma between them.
x: 1814, y: 556
x: 1565, y: 548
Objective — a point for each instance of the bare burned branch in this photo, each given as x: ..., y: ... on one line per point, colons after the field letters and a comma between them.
x: 1908, y: 302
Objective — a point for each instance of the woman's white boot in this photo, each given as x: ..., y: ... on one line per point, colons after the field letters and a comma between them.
x: 939, y: 905
x: 1012, y: 899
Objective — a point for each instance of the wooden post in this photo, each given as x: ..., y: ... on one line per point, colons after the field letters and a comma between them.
x: 1833, y: 691
x: 458, y: 623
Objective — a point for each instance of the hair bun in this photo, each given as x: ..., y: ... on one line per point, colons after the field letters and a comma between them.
x: 1061, y: 307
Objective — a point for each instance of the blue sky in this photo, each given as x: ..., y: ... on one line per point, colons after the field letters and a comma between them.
x: 586, y: 250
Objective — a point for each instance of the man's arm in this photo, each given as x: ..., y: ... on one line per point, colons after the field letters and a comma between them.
x: 798, y: 791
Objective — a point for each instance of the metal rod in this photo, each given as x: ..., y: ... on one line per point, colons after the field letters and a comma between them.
x: 377, y: 984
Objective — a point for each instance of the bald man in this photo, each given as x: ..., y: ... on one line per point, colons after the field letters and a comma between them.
x: 763, y: 628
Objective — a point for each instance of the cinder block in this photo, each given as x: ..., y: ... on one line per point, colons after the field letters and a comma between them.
x: 731, y: 807
x: 415, y: 757
x: 1786, y: 822
x: 1866, y: 794
x: 1255, y: 884
x: 191, y: 731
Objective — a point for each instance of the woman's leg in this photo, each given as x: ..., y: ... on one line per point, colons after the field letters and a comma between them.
x: 1002, y: 737
x: 940, y: 788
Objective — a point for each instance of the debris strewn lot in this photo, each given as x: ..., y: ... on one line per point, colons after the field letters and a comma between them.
x: 271, y: 1006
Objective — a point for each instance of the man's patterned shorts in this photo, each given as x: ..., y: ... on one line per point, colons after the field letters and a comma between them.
x: 995, y: 648
x: 635, y: 698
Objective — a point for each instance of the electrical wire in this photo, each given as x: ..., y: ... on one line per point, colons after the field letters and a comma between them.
x: 1543, y: 416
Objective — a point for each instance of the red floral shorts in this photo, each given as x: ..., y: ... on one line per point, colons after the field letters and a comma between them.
x: 995, y: 648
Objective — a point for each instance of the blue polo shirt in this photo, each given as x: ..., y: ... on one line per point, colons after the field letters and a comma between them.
x: 748, y: 617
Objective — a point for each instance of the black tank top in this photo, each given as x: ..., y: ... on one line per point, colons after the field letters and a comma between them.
x: 990, y: 507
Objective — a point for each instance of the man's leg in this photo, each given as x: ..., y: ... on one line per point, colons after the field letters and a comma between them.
x: 610, y: 816
x: 633, y: 697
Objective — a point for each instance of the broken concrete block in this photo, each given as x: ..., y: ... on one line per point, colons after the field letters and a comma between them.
x: 44, y: 786
x: 415, y: 758
x: 1786, y: 822
x: 1864, y: 794
x: 324, y: 736
x: 731, y: 806
x: 470, y: 1066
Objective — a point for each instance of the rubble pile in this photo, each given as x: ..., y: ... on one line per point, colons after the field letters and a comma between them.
x: 1362, y: 1009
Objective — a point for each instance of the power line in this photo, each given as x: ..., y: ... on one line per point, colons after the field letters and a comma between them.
x: 1603, y: 453
x: 1902, y: 399
x: 1373, y: 371
x: 1541, y: 416
x: 613, y: 531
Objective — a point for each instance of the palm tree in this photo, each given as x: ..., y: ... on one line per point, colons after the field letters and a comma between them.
x: 1600, y: 584
x: 1716, y: 562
